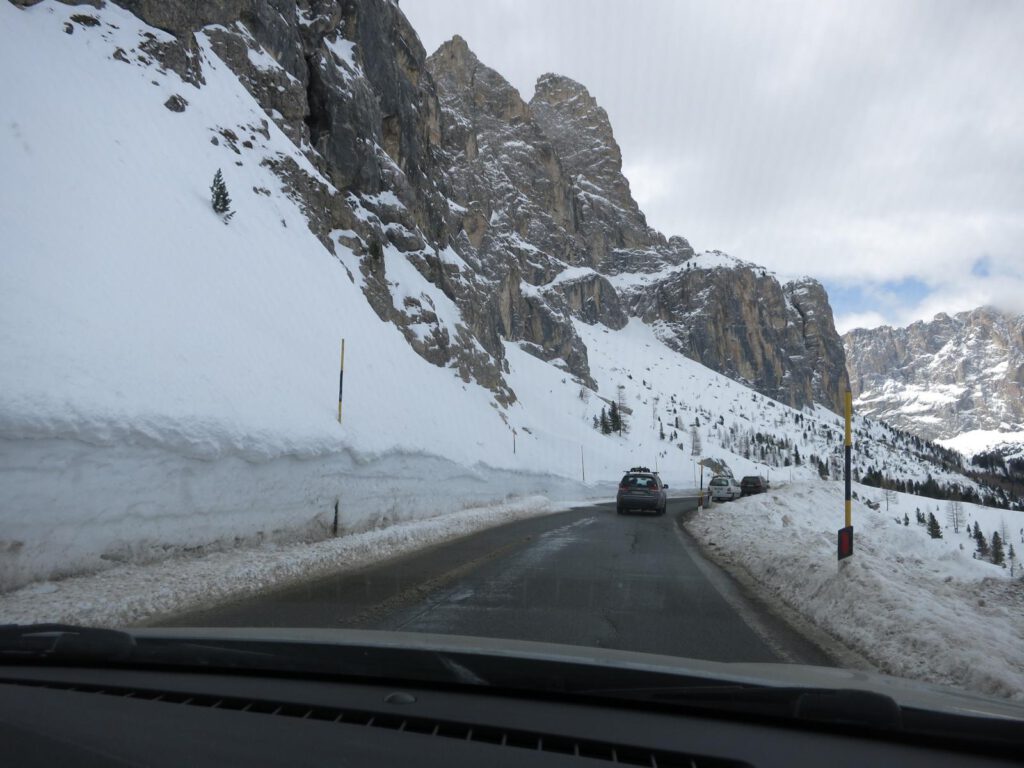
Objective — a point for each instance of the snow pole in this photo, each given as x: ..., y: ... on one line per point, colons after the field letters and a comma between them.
x: 700, y: 493
x: 847, y: 450
x: 341, y: 379
x: 583, y: 467
x: 845, y: 543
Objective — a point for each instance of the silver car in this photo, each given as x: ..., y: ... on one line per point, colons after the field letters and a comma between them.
x: 724, y: 488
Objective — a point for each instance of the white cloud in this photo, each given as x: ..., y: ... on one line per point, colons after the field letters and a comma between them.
x: 848, y: 322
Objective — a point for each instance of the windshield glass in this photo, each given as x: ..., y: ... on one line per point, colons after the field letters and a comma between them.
x: 444, y: 317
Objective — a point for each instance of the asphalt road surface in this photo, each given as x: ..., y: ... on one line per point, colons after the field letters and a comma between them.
x: 583, y: 577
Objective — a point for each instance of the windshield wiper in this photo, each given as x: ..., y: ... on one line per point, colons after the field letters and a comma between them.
x: 823, y: 705
x: 64, y: 642
x: 70, y: 644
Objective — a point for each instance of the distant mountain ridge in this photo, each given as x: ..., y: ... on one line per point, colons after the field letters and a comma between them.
x: 942, y: 378
x: 515, y: 217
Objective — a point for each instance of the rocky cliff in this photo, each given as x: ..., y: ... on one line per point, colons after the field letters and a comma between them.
x: 944, y: 377
x: 476, y: 218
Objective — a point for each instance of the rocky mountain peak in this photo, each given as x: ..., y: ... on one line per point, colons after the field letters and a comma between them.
x: 455, y: 66
x: 942, y: 377
x: 581, y: 133
x: 455, y: 57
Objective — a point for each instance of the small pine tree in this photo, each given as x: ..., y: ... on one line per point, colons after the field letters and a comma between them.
x: 998, y: 556
x: 606, y: 426
x: 614, y: 418
x: 934, y: 530
x: 219, y: 198
x: 906, y: 519
x: 597, y: 424
x: 982, y: 545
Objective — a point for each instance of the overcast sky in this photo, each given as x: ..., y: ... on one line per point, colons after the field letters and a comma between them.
x: 875, y: 145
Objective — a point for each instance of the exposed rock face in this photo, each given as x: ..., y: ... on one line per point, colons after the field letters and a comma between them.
x: 517, y: 214
x: 505, y: 178
x: 606, y: 214
x: 944, y: 377
x: 737, y: 319
x: 824, y: 357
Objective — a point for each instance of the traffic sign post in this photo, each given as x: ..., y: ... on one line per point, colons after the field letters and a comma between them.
x: 845, y: 542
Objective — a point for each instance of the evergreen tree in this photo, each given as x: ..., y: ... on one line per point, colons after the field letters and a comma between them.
x: 219, y: 198
x: 997, y: 549
x: 615, y: 418
x: 933, y: 527
x: 597, y: 424
x: 982, y: 545
x: 906, y: 519
x: 606, y: 426
x: 623, y: 426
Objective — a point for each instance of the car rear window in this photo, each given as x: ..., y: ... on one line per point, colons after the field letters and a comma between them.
x: 719, y: 481
x: 639, y: 481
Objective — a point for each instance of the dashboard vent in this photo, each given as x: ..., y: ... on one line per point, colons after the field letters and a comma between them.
x: 597, y: 750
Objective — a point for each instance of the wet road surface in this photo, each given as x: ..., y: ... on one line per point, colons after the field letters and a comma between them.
x: 583, y: 577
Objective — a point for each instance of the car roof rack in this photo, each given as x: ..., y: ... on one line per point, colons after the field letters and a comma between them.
x: 641, y: 469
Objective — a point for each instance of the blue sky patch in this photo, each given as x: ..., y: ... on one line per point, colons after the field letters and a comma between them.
x: 982, y: 266
x: 848, y: 299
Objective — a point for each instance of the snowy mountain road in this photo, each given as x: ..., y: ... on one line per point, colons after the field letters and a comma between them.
x: 584, y: 577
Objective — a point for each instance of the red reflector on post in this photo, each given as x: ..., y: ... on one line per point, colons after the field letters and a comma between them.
x: 845, y: 542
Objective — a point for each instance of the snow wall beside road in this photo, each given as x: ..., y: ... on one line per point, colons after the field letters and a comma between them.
x: 72, y: 507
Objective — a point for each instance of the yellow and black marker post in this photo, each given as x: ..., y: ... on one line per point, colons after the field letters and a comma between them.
x: 341, y: 379
x: 846, y: 533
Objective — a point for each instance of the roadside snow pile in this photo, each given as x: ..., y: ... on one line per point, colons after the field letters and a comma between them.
x: 918, y: 607
x: 130, y: 594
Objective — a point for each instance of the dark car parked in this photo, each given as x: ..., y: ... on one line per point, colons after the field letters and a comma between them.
x: 752, y: 484
x: 641, y: 489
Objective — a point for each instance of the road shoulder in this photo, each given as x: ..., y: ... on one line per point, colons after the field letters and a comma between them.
x: 788, y: 632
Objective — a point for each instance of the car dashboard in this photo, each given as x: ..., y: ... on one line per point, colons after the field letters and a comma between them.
x: 93, y: 716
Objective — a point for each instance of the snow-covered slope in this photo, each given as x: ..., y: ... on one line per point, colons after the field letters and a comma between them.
x: 168, y: 381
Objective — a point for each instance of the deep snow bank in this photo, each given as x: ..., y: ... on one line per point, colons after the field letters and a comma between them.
x: 74, y: 507
x: 917, y: 607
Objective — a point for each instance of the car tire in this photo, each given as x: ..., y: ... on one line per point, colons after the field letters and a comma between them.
x: 619, y: 510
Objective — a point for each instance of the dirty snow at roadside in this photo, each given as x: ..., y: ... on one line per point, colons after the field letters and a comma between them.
x: 130, y: 594
x: 917, y: 607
